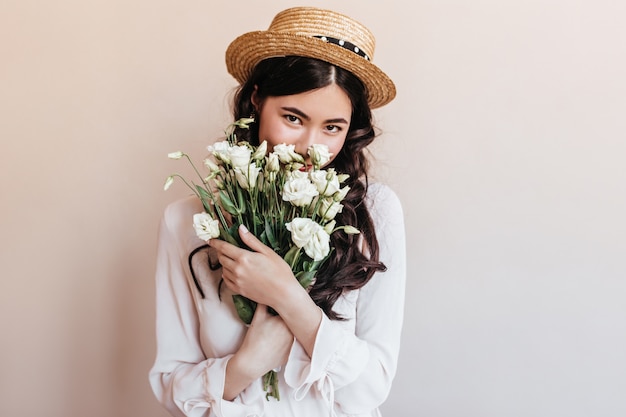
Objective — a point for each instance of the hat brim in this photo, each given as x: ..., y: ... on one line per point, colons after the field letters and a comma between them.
x: 251, y: 48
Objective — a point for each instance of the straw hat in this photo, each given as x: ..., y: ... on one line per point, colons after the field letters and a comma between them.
x: 314, y: 33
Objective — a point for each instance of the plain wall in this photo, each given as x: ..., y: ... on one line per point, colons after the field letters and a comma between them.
x: 506, y: 145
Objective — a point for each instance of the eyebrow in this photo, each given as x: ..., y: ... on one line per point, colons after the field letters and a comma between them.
x: 306, y: 117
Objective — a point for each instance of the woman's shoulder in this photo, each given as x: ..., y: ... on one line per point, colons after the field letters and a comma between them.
x: 386, y: 211
x: 178, y: 214
x: 382, y: 197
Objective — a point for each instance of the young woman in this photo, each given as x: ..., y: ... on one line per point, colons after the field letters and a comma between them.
x: 307, y: 80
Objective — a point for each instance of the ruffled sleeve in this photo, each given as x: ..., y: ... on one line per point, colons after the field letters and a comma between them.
x: 185, y: 381
x: 352, y: 366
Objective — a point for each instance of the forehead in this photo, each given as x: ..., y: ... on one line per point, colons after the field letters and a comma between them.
x: 330, y: 100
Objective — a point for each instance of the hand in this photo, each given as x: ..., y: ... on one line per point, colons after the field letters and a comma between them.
x: 266, y: 345
x: 259, y: 274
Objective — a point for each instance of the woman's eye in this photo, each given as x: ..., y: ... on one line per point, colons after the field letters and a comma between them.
x: 292, y: 119
x: 333, y: 128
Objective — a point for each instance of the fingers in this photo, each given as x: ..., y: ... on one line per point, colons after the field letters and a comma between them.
x: 251, y: 241
x: 221, y: 245
x: 227, y: 254
x: 247, y: 238
x: 239, y: 264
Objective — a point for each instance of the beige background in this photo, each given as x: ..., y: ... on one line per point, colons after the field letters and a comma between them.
x: 506, y: 144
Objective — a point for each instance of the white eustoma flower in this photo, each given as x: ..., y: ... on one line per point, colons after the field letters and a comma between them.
x: 239, y: 156
x: 309, y: 235
x: 205, y: 226
x: 326, y: 182
x: 319, y: 245
x: 287, y: 153
x: 319, y: 154
x: 329, y: 208
x: 301, y: 229
x: 299, y: 190
x: 221, y: 151
x: 247, y: 176
x: 300, y: 175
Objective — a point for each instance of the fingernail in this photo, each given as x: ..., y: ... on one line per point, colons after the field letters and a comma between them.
x: 243, y: 228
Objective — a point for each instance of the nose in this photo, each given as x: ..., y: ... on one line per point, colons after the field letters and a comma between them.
x: 308, y: 138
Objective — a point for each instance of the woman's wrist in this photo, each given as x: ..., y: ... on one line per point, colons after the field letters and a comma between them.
x: 291, y: 297
x: 301, y: 315
x: 239, y: 375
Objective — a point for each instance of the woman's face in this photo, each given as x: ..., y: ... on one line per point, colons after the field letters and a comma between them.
x: 319, y: 116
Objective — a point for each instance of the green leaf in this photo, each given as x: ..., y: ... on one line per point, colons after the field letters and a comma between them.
x: 245, y: 308
x: 227, y: 203
x: 292, y: 255
x: 203, y: 192
x: 305, y: 278
x: 258, y: 221
x: 271, y: 238
x: 241, y: 201
x: 231, y: 235
x: 205, y: 197
x: 228, y: 237
x: 315, y: 265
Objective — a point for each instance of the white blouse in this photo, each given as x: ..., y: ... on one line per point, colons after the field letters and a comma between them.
x: 354, y: 361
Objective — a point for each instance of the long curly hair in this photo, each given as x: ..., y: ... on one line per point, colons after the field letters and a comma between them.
x: 354, y: 261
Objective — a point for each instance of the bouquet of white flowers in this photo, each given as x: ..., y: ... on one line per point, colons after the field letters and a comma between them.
x: 289, y: 208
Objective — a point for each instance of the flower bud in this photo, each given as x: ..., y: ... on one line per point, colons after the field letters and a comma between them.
x: 244, y: 122
x: 295, y: 166
x: 341, y: 194
x: 211, y: 166
x: 319, y: 154
x: 273, y: 163
x: 175, y: 155
x: 330, y: 226
x: 287, y: 153
x: 260, y: 152
x: 351, y: 230
x: 328, y: 209
x: 168, y: 182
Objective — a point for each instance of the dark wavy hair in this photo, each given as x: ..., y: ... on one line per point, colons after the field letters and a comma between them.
x: 352, y: 263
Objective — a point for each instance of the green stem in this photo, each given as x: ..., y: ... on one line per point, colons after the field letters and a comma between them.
x: 187, y: 184
x: 217, y: 209
x: 194, y: 168
x: 270, y: 385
